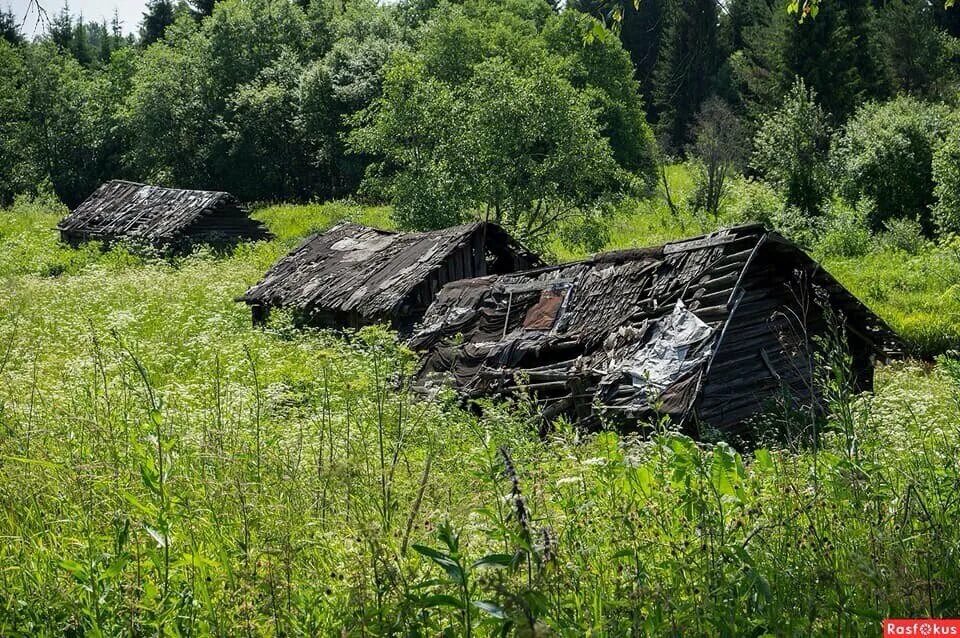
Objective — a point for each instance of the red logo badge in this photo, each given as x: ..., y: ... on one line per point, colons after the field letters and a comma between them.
x: 921, y: 627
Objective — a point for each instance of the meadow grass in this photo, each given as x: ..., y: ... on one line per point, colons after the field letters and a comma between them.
x: 918, y: 295
x: 167, y: 470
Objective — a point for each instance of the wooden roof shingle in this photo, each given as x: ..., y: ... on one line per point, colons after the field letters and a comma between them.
x: 634, y: 331
x: 157, y: 215
x: 353, y: 268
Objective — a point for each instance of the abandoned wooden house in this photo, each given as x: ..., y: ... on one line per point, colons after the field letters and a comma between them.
x: 159, y: 217
x: 353, y: 275
x: 708, y: 330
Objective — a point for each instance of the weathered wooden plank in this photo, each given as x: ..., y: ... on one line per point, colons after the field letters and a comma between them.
x: 612, y: 302
x: 159, y: 216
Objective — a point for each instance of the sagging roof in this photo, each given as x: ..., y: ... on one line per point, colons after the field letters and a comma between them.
x: 634, y: 331
x: 355, y: 269
x: 157, y: 215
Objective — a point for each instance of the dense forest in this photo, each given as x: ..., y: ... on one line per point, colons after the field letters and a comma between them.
x: 425, y: 105
x: 169, y: 469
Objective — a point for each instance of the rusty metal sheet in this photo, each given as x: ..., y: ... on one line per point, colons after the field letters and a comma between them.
x: 543, y: 314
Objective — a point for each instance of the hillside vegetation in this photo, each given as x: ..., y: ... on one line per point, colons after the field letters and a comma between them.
x: 165, y: 469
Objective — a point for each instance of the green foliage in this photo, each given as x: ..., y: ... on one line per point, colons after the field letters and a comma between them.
x: 239, y: 99
x: 885, y: 153
x: 686, y: 68
x: 259, y: 97
x: 51, y: 122
x: 845, y: 231
x: 904, y: 234
x: 603, y: 69
x: 365, y: 36
x: 158, y: 16
x: 482, y: 118
x: 791, y: 147
x: 916, y: 294
x: 918, y: 54
x: 166, y: 111
x: 10, y: 27
x: 837, y: 55
x: 755, y: 201
x: 946, y: 177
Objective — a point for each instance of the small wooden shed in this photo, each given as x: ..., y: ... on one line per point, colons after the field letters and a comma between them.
x: 708, y: 330
x: 160, y: 217
x: 354, y: 275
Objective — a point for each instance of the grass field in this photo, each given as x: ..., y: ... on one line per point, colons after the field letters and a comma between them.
x: 166, y: 470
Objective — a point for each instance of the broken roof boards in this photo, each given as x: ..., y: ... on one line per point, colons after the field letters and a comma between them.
x: 353, y: 275
x: 158, y: 216
x: 708, y: 330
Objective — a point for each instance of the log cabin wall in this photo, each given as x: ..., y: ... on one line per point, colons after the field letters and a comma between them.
x: 782, y: 320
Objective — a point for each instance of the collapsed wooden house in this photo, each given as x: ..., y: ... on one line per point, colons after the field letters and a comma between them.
x: 708, y: 331
x: 159, y: 217
x: 353, y: 275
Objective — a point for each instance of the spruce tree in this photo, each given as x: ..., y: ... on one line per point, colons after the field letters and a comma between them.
x: 202, y: 8
x: 158, y: 16
x: 837, y: 54
x: 80, y: 43
x: 10, y: 27
x: 916, y: 51
x: 60, y: 28
x: 686, y: 72
x: 642, y: 33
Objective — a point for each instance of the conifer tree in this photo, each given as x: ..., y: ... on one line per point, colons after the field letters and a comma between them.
x: 686, y: 71
x: 158, y: 16
x: 10, y: 27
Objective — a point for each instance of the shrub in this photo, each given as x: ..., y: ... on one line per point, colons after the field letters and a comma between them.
x: 790, y: 149
x: 797, y: 226
x: 589, y: 232
x: 757, y: 202
x: 904, y: 234
x: 754, y: 201
x: 885, y: 153
x: 845, y: 232
x: 946, y: 177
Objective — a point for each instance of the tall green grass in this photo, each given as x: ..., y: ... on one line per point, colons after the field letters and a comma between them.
x: 918, y: 295
x: 167, y: 470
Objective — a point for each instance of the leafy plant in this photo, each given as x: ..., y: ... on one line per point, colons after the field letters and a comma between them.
x: 460, y: 574
x: 885, y: 153
x: 946, y: 177
x: 790, y: 149
x: 904, y: 234
x: 845, y: 231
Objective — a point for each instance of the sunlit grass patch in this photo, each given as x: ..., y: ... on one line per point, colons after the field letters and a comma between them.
x: 918, y: 295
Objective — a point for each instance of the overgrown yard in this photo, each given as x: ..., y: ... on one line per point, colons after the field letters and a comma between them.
x: 165, y: 469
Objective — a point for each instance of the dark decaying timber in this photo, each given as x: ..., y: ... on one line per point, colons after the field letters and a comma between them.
x: 707, y: 330
x: 353, y: 275
x: 159, y: 217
